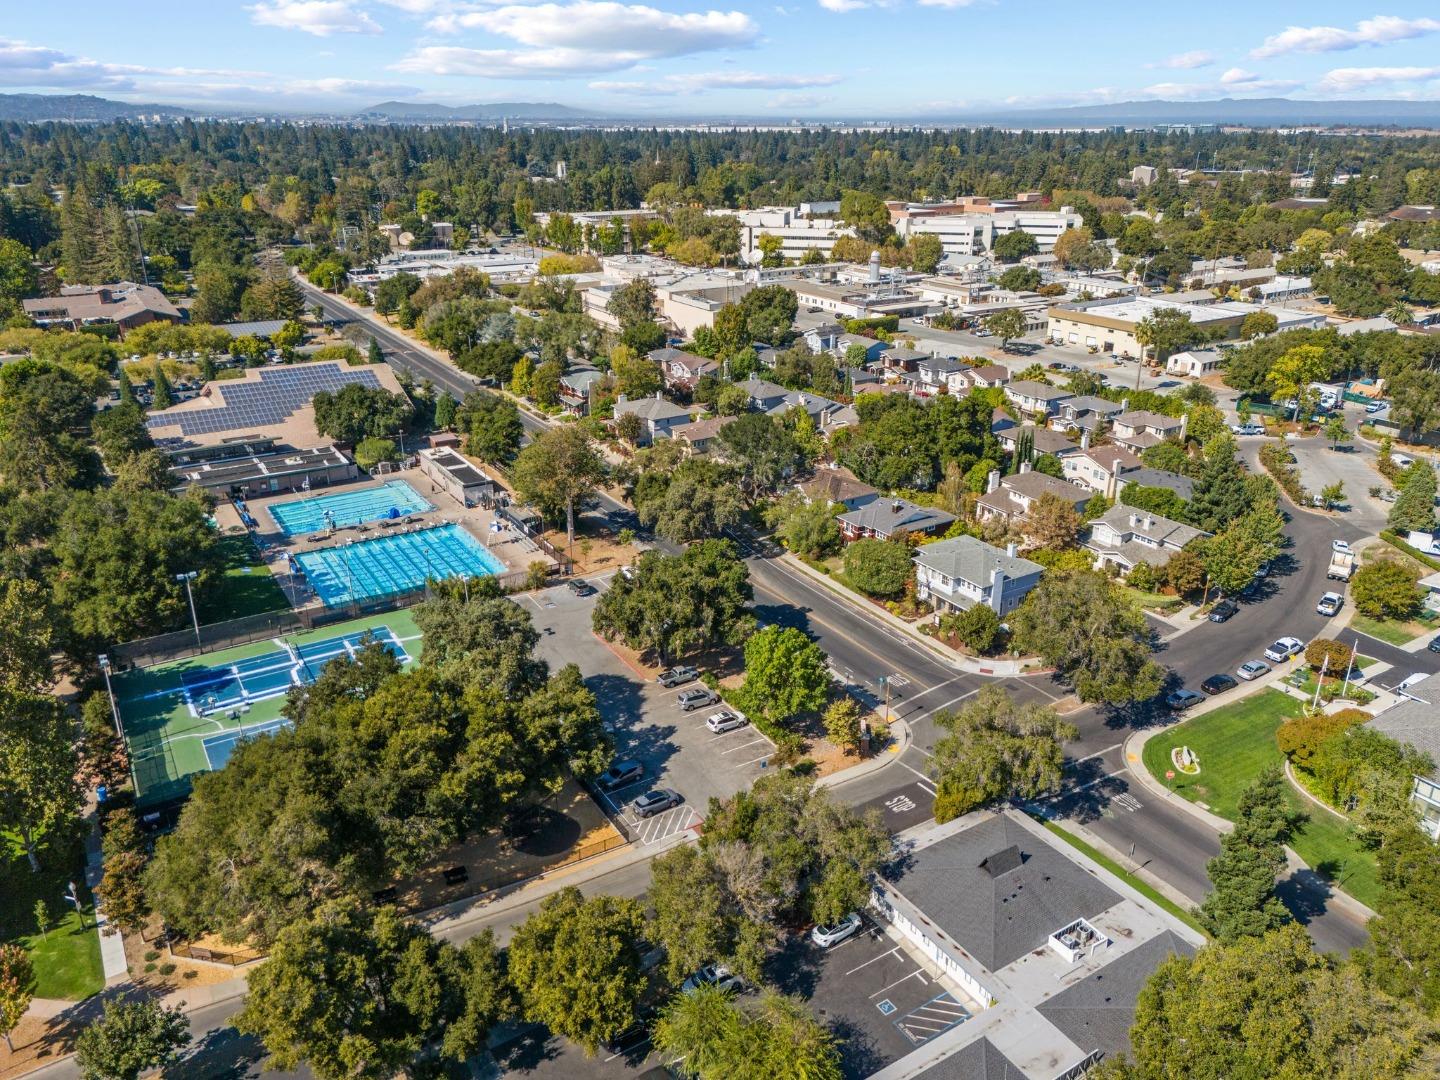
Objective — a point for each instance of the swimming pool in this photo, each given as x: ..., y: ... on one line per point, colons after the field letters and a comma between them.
x: 386, y: 565
x: 348, y: 508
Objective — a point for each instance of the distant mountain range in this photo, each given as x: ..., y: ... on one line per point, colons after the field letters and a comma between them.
x: 32, y: 108
x: 1258, y: 112
x: 500, y: 110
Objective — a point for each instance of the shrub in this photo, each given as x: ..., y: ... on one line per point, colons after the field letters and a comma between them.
x: 151, y: 954
x: 167, y: 969
x: 1301, y: 737
x: 1144, y: 577
x: 978, y: 627
x: 1333, y: 656
x: 537, y: 575
x: 878, y: 567
x: 1276, y: 458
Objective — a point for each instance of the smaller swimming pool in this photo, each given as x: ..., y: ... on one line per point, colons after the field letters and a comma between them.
x: 387, y: 565
x: 394, y: 499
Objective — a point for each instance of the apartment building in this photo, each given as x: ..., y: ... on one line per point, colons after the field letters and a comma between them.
x: 970, y: 229
x: 798, y: 234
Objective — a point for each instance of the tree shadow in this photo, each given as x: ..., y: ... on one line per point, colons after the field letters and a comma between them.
x: 795, y: 967
x: 528, y: 1050
x: 224, y: 1054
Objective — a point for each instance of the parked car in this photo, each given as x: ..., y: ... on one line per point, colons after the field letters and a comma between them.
x: 1218, y: 684
x: 1434, y: 645
x: 636, y: 1035
x: 675, y: 676
x: 1330, y: 604
x: 580, y: 587
x: 1376, y: 406
x: 1224, y: 610
x: 1247, y: 429
x: 1341, y: 546
x: 697, y: 698
x: 653, y: 802
x: 826, y: 936
x: 1181, y: 700
x: 1252, y: 669
x: 724, y: 721
x: 619, y: 775
x: 1283, y: 649
x: 1262, y: 571
x: 713, y: 975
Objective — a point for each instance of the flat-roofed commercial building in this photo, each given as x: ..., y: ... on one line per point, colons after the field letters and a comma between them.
x: 967, y: 229
x: 1109, y: 325
x: 250, y: 467
x: 457, y: 475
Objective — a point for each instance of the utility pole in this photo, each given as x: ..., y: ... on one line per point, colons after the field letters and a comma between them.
x: 187, y: 578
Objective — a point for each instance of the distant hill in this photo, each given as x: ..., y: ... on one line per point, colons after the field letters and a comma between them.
x: 31, y: 108
x: 514, y: 110
x: 1259, y: 112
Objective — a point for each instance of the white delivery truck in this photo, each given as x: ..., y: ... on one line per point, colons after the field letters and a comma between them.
x: 1342, y: 565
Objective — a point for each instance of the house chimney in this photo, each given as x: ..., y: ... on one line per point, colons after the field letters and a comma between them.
x: 1024, y: 466
x: 1124, y: 404
x: 621, y: 399
x: 874, y: 267
x: 1134, y: 521
x: 1011, y: 549
x: 1085, y: 440
x: 997, y: 588
x: 895, y: 507
x: 1184, y: 423
x: 1149, y: 522
x: 992, y: 481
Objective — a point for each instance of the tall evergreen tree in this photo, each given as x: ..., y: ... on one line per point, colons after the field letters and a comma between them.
x: 1220, y: 494
x: 1414, y: 507
x: 1244, y: 903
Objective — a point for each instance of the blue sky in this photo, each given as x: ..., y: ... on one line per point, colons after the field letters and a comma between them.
x: 866, y: 59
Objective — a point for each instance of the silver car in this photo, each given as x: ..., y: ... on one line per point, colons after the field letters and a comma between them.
x: 1252, y: 669
x: 724, y: 721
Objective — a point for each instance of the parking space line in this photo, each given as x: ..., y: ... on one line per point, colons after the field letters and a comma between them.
x: 872, y: 960
x: 897, y: 982
x: 741, y: 746
x: 753, y: 760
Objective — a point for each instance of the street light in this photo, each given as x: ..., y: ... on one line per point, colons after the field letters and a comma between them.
x: 187, y: 578
x: 114, y: 709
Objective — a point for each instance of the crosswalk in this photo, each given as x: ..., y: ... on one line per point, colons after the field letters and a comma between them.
x: 938, y: 1015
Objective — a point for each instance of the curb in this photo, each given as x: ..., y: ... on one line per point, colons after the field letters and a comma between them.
x: 886, y: 757
x: 993, y: 669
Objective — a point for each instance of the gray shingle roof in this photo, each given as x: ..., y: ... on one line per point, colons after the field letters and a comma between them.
x: 969, y: 559
x: 979, y: 1060
x: 1416, y: 722
x: 889, y: 516
x: 1096, y: 1013
x: 1038, y: 390
x: 997, y: 920
x: 1161, y: 478
x: 650, y: 408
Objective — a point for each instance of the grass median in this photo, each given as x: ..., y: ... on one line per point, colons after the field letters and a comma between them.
x: 1234, y: 744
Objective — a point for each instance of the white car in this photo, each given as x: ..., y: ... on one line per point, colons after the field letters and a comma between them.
x: 1252, y: 669
x: 1341, y: 546
x: 826, y: 936
x: 724, y: 721
x: 1283, y: 649
x: 1330, y: 604
x: 713, y: 975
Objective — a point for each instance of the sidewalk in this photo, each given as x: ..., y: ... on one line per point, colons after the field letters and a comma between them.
x: 996, y: 668
x: 898, y: 745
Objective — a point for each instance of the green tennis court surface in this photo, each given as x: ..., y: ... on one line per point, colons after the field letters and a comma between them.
x: 188, y: 716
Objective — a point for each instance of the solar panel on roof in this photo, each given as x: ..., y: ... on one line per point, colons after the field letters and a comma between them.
x: 275, y: 396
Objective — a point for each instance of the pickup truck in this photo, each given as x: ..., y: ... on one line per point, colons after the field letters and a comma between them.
x: 1342, y: 565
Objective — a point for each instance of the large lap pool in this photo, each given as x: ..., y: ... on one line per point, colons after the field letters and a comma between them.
x: 367, y: 569
x: 391, y: 500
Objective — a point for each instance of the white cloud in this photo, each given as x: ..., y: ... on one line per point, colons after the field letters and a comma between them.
x: 946, y: 3
x: 796, y: 102
x: 1348, y: 80
x: 691, y: 83
x: 512, y: 63
x: 1381, y: 30
x: 1186, y: 61
x: 319, y: 17
x: 840, y: 7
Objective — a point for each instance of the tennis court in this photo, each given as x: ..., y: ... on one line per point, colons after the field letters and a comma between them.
x: 188, y: 716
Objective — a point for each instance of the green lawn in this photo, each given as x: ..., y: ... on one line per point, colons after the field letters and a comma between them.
x: 248, y: 587
x: 67, y: 957
x: 1151, y: 894
x: 1389, y: 630
x: 1152, y: 601
x: 1234, y: 744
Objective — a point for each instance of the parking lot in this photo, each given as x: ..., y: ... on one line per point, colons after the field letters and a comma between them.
x: 879, y: 1001
x: 675, y: 747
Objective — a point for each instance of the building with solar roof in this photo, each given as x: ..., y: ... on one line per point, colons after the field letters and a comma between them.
x: 270, y: 402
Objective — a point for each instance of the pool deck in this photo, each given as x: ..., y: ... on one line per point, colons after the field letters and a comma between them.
x: 509, y: 546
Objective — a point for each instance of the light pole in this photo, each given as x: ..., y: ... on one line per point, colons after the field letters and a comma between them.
x: 110, y: 692
x: 187, y: 578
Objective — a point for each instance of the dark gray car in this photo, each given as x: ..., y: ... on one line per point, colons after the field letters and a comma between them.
x: 654, y: 802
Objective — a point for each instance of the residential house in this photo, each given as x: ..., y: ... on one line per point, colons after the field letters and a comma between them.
x: 1124, y: 537
x: 682, y: 370
x: 577, y: 390
x: 987, y: 376
x: 959, y: 573
x: 1001, y: 422
x: 1010, y: 499
x: 1415, y: 719
x: 1100, y: 467
x: 1045, y: 440
x: 764, y: 395
x: 701, y: 435
x: 123, y: 303
x: 824, y: 338
x: 874, y: 348
x: 1140, y: 429
x: 1195, y: 362
x: 822, y: 410
x: 859, y: 378
x: 658, y: 418
x: 939, y: 372
x: 837, y: 487
x: 1086, y: 413
x: 1182, y: 486
x: 1036, y: 398
x: 898, y: 359
x: 885, y: 519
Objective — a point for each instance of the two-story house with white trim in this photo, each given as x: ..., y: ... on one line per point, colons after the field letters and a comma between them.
x: 959, y: 573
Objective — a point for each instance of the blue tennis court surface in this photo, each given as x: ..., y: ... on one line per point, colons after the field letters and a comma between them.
x: 400, y: 562
x: 218, y: 748
x: 272, y: 674
x: 392, y: 500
